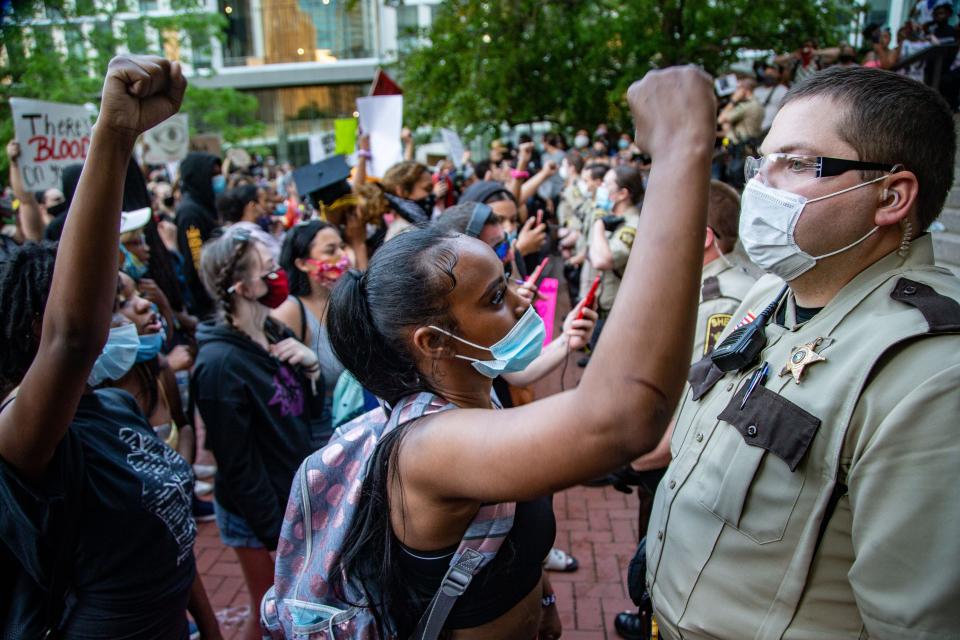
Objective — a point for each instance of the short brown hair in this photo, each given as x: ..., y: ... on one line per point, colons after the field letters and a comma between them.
x: 402, y: 176
x: 723, y: 214
x: 891, y: 118
x: 630, y: 179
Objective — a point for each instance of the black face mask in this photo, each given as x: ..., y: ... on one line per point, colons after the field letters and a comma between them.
x: 427, y: 204
x: 168, y: 201
x: 57, y: 209
x: 846, y: 58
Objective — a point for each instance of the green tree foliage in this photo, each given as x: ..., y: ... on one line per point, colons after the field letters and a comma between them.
x: 58, y: 51
x: 571, y: 61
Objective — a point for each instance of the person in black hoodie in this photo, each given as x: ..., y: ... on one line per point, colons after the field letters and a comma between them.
x: 260, y: 394
x: 200, y: 183
x: 69, y: 180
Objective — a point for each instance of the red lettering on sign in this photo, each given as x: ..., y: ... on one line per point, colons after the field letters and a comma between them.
x: 50, y: 148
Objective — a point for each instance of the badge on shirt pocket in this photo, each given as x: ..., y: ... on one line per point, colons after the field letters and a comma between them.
x: 752, y: 482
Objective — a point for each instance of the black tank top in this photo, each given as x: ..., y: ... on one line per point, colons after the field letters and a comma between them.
x: 500, y: 585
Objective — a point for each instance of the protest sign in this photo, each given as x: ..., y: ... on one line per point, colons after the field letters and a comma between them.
x: 345, y: 132
x: 167, y: 142
x: 207, y: 143
x: 52, y: 136
x: 454, y: 145
x: 381, y: 117
x: 546, y: 305
x: 320, y: 145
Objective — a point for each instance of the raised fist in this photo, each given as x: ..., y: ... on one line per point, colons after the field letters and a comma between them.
x: 140, y: 92
x: 673, y: 109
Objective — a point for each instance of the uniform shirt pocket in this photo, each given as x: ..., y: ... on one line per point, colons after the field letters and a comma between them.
x: 771, y: 422
x: 749, y: 480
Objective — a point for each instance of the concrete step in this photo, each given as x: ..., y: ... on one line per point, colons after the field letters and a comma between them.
x: 953, y: 197
x: 946, y: 249
x: 950, y: 218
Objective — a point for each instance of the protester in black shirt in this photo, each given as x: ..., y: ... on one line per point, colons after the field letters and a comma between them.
x: 95, y: 517
x: 200, y: 183
x: 260, y: 394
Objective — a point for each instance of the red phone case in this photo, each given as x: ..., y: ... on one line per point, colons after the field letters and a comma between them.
x: 591, y: 295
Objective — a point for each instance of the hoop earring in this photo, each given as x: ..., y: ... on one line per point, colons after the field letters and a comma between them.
x: 904, y: 249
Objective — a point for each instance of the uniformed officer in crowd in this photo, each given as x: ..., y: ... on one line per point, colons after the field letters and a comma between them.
x: 726, y: 278
x: 812, y: 492
x: 591, y: 179
x: 614, y: 228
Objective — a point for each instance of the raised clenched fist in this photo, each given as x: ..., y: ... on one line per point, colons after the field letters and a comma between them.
x: 140, y: 92
x: 673, y: 109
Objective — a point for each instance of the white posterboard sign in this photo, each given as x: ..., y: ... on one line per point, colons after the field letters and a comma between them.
x: 51, y: 136
x: 454, y: 145
x: 381, y: 117
x: 320, y: 145
x: 167, y: 142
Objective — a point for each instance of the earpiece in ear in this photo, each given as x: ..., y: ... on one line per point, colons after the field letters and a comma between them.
x: 896, y: 197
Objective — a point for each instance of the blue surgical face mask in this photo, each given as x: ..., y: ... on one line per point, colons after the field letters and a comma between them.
x: 219, y: 184
x: 623, y: 145
x: 281, y: 209
x: 603, y: 198
x: 514, y: 352
x: 150, y: 345
x: 118, y: 356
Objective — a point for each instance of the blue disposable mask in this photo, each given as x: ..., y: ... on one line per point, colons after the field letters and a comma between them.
x: 118, y: 356
x: 514, y: 352
x: 603, y: 198
x: 219, y: 184
x: 150, y: 345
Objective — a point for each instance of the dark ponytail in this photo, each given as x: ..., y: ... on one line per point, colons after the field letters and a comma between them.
x: 372, y: 314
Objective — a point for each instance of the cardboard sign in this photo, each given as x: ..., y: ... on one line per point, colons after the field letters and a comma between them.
x: 167, y: 142
x: 51, y: 136
x: 454, y: 145
x: 207, y: 143
x: 547, y: 306
x: 381, y: 117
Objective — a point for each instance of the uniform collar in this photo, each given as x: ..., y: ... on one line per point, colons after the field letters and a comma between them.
x: 715, y: 268
x: 920, y: 256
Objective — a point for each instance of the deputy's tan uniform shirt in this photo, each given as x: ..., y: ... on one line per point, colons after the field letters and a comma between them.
x: 723, y: 285
x: 568, y: 211
x: 620, y: 241
x: 734, y: 547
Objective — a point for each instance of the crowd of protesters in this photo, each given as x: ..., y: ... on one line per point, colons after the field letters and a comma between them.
x: 265, y: 308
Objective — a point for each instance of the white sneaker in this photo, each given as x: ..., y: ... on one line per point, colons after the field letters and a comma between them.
x: 201, y: 488
x: 204, y: 471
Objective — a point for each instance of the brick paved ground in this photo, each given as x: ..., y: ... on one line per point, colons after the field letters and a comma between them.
x: 598, y: 526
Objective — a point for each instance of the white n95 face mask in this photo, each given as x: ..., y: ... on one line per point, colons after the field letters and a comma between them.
x: 768, y: 219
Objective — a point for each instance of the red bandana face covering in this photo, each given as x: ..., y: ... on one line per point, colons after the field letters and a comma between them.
x: 328, y: 273
x: 277, y: 289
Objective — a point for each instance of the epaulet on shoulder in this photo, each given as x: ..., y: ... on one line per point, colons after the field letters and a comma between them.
x: 941, y: 312
x: 710, y: 288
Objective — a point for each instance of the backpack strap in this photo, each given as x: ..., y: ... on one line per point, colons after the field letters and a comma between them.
x: 481, y: 541
x: 303, y: 319
x: 480, y: 544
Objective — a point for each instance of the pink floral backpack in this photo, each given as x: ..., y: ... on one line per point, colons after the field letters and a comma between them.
x: 301, y: 605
